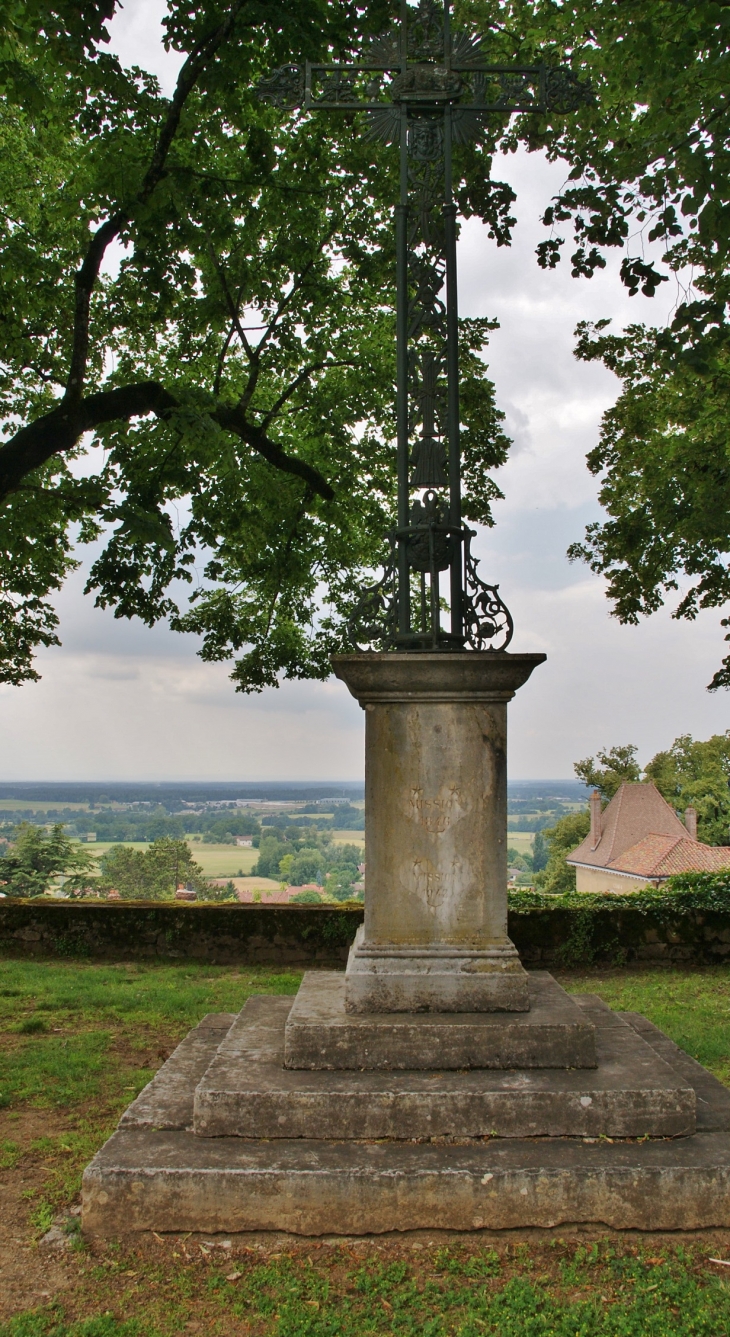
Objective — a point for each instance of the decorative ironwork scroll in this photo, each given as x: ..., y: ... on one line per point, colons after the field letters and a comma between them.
x: 427, y: 88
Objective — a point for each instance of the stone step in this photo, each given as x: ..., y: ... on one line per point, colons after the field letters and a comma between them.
x: 167, y: 1101
x: 321, y: 1034
x: 247, y: 1092
x: 175, y: 1181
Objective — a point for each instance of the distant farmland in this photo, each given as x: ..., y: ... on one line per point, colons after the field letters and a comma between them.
x: 215, y: 860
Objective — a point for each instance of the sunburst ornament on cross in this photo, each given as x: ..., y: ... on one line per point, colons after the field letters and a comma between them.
x: 427, y: 87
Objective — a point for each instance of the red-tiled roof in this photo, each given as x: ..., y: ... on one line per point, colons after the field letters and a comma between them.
x: 642, y: 835
x: 635, y: 811
x: 660, y: 856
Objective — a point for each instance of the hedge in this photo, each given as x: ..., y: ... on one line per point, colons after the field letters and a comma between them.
x: 687, y: 921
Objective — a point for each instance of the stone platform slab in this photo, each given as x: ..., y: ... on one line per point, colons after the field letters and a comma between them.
x: 321, y: 1034
x: 246, y: 1091
x: 149, y: 1177
x: 175, y: 1181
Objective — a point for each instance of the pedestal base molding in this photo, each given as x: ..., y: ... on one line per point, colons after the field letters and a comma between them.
x: 438, y: 978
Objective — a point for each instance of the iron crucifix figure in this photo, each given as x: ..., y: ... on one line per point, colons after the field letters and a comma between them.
x: 426, y: 88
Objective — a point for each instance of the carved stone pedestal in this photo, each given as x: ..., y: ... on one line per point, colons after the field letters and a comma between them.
x: 435, y: 932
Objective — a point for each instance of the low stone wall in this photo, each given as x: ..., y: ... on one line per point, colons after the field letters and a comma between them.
x: 135, y: 930
x: 299, y: 935
x: 580, y: 937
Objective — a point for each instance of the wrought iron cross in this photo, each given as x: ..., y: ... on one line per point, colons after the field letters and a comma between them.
x: 426, y: 88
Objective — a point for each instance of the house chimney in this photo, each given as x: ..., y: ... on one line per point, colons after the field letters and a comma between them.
x: 690, y: 821
x: 595, y: 819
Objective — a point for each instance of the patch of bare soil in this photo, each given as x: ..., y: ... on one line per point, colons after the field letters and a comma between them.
x: 29, y: 1277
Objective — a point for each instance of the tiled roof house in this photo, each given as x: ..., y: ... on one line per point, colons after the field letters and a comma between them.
x: 639, y: 841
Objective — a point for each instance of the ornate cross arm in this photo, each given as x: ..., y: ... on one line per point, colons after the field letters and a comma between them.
x: 487, y: 88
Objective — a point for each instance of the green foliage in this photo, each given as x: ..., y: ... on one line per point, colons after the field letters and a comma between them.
x: 664, y: 481
x: 305, y: 866
x: 152, y: 874
x: 239, y: 368
x: 540, y: 852
x: 38, y: 857
x: 681, y: 894
x: 278, y: 439
x: 617, y: 767
x: 557, y: 878
x: 697, y: 774
x: 223, y: 830
x: 290, y: 854
x: 522, y: 861
x: 648, y: 161
x: 308, y: 897
x: 689, y: 774
x: 271, y: 852
x: 213, y: 892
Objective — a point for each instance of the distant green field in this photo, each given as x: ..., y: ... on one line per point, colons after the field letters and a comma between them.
x: 223, y: 860
x: 348, y: 838
x: 13, y: 804
x: 521, y: 841
x: 215, y: 860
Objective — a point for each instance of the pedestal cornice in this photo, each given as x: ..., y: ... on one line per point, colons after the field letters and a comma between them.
x: 469, y: 677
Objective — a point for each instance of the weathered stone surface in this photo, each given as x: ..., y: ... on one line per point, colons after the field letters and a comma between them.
x: 146, y: 1180
x: 435, y: 933
x: 321, y: 1034
x: 434, y: 979
x: 713, y: 1099
x: 167, y: 1101
x: 246, y: 1092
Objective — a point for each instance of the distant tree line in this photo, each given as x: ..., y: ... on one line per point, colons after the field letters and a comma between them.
x: 298, y: 856
x: 216, y: 827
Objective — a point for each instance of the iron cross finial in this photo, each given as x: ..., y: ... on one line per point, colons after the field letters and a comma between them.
x: 427, y: 88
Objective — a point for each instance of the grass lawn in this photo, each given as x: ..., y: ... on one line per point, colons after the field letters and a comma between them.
x: 77, y: 1042
x: 691, y: 1006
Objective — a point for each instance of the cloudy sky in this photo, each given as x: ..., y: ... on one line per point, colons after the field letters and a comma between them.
x: 119, y: 701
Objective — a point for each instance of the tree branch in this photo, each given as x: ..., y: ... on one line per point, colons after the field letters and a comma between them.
x: 87, y: 275
x: 233, y: 420
x: 299, y: 380
x: 60, y: 430
x: 221, y: 360
x: 233, y: 307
